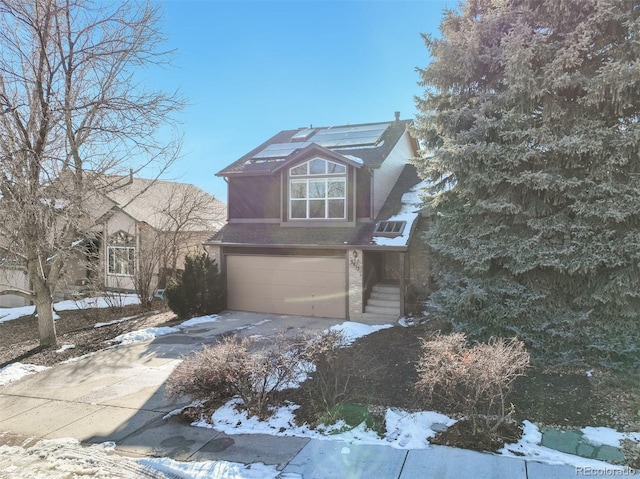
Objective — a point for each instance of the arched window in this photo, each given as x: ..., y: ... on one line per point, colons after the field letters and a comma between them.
x: 318, y: 190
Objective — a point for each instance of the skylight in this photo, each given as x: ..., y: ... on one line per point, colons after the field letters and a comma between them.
x: 390, y: 228
x: 303, y: 134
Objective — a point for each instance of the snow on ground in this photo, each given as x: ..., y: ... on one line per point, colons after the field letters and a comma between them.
x: 115, y: 321
x: 212, y: 318
x: 98, y: 302
x: 605, y: 436
x: 146, y: 334
x: 65, y: 347
x: 66, y: 458
x: 528, y: 447
x: 8, y: 314
x: 211, y: 469
x: 353, y: 331
x: 15, y: 371
x: 405, y: 430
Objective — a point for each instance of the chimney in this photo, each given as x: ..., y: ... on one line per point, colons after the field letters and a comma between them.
x: 397, y: 113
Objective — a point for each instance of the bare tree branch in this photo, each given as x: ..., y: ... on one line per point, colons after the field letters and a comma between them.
x: 72, y: 110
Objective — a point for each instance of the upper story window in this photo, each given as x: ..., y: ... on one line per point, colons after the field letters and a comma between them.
x: 318, y: 166
x: 318, y: 190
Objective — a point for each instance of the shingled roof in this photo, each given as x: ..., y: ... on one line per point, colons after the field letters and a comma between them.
x: 278, y: 150
x: 158, y: 202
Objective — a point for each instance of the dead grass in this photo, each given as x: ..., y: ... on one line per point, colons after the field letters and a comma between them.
x: 19, y: 337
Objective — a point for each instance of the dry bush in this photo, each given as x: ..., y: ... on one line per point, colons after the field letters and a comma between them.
x: 332, y: 375
x: 473, y: 379
x: 238, y: 367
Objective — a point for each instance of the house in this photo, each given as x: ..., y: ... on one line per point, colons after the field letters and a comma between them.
x: 140, y: 227
x: 320, y: 221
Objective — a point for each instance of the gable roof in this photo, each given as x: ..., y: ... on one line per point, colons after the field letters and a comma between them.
x: 366, y: 144
x: 160, y: 203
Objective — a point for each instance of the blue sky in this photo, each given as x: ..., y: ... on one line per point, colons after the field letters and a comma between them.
x: 252, y: 68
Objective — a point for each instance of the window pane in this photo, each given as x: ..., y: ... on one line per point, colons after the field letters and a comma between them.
x: 298, y: 208
x: 316, y: 209
x: 335, y: 188
x: 335, y: 168
x: 317, y: 167
x: 298, y: 189
x: 299, y: 170
x: 336, y: 208
x: 121, y: 260
x: 317, y: 188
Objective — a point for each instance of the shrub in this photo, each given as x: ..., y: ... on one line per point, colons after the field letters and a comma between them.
x: 474, y: 379
x: 332, y: 374
x: 237, y: 367
x: 200, y: 290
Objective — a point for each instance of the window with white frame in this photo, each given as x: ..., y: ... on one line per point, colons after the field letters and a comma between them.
x: 121, y: 253
x: 318, y: 190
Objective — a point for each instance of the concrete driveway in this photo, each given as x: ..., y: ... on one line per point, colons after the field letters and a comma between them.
x: 118, y: 395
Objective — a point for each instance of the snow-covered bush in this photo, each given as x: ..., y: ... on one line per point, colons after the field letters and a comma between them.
x: 473, y: 379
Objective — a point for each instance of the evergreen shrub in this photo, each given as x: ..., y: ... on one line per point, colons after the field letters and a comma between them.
x: 200, y: 290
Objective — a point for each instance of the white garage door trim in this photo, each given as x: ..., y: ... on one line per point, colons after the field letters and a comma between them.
x: 298, y: 285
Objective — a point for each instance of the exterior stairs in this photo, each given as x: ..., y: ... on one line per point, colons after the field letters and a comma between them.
x: 383, y: 303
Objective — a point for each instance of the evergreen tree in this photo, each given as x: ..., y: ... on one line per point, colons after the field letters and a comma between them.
x: 200, y: 290
x: 531, y: 112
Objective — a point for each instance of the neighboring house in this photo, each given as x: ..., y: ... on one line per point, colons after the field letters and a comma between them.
x: 141, y: 227
x: 316, y: 224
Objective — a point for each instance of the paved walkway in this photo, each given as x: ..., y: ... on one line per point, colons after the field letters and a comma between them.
x: 118, y: 395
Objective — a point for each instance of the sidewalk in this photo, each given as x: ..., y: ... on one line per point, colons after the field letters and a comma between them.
x: 118, y: 395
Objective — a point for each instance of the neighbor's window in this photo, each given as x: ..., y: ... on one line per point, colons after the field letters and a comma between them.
x: 121, y: 260
x: 318, y: 190
x: 121, y: 254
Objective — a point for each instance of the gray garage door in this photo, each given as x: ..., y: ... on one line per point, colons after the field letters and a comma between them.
x: 300, y: 285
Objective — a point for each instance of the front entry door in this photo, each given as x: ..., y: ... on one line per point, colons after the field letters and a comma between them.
x: 391, y: 267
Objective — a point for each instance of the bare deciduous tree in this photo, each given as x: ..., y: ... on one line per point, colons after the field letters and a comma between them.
x: 182, y: 216
x: 71, y: 105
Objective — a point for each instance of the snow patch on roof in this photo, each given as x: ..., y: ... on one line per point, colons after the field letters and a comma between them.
x: 355, y: 159
x: 411, y: 206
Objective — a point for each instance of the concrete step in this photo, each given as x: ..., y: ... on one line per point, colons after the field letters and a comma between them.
x: 381, y: 310
x: 384, y: 303
x: 372, y: 318
x: 386, y: 288
x: 385, y: 296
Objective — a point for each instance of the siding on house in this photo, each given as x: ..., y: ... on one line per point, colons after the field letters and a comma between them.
x: 385, y: 177
x: 13, y: 278
x: 363, y: 193
x: 254, y: 197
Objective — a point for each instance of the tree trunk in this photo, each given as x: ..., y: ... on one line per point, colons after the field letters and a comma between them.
x: 46, y: 323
